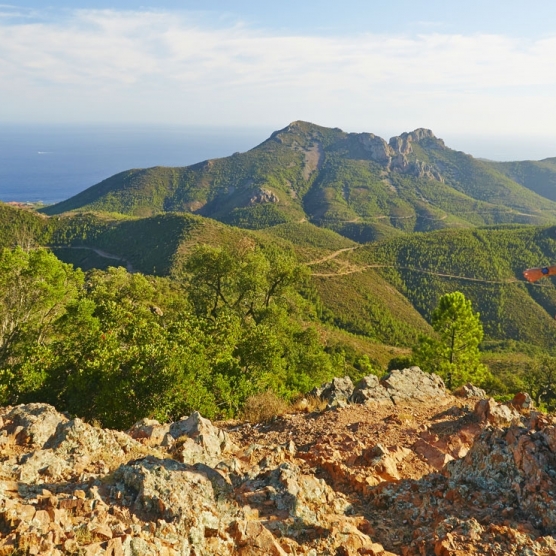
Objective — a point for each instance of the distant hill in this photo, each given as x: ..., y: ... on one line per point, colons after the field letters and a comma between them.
x: 538, y: 176
x: 354, y: 183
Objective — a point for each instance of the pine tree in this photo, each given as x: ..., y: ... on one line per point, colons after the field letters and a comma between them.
x: 454, y: 352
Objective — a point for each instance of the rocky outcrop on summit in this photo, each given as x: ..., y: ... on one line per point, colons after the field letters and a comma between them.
x: 377, y: 147
x: 401, y: 148
x: 395, y: 154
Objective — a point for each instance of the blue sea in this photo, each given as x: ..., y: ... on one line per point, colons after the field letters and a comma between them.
x: 52, y: 163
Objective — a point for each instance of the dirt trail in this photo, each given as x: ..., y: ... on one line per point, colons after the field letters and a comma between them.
x: 333, y: 255
x: 454, y: 276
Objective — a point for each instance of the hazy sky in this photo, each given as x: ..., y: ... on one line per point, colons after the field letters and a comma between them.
x: 475, y: 67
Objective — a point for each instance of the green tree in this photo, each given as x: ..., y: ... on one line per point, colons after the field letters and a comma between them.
x: 122, y: 354
x: 244, y: 279
x: 454, y: 352
x: 540, y: 382
x: 35, y: 289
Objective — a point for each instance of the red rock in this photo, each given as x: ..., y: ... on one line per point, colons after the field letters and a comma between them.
x: 434, y: 456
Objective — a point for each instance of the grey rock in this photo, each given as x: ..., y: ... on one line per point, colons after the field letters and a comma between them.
x: 500, y: 415
x: 469, y: 391
x: 413, y: 384
x: 199, y: 441
x: 76, y: 437
x: 378, y: 148
x: 150, y: 431
x: 263, y: 196
x: 304, y: 497
x: 33, y: 423
x: 369, y: 389
x: 160, y: 490
x: 336, y: 392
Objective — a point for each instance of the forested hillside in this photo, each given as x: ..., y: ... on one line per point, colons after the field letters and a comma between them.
x: 538, y: 176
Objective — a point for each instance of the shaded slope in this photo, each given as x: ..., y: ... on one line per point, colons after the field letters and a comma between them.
x: 22, y: 227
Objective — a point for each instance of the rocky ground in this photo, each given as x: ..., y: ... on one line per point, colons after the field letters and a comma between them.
x: 393, y: 467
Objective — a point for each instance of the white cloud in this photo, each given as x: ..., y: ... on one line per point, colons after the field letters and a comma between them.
x: 174, y: 67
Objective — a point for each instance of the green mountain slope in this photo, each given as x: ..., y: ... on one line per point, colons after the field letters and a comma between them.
x: 486, y: 265
x: 384, y: 291
x: 538, y: 176
x: 354, y: 183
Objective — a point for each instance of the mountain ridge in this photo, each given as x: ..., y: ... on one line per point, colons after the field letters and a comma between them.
x: 357, y: 184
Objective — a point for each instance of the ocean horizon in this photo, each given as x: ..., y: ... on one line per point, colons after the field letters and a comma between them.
x: 50, y: 163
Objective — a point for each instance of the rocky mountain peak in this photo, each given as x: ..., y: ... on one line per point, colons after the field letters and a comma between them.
x: 415, y: 136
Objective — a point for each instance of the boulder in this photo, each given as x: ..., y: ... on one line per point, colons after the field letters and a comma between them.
x: 149, y: 432
x: 413, y: 384
x: 199, y: 441
x: 522, y: 400
x: 369, y: 389
x: 469, y: 391
x: 166, y: 491
x: 74, y: 447
x: 336, y: 393
x: 33, y: 423
x: 493, y: 413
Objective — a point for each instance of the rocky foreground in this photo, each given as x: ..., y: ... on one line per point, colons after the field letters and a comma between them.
x: 393, y: 467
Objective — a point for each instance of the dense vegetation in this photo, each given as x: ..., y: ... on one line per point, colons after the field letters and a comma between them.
x: 116, y: 347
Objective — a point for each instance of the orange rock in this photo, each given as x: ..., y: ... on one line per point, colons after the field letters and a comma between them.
x: 254, y: 539
x: 434, y: 456
x: 114, y: 547
x: 8, y: 545
x: 43, y: 519
x: 102, y: 531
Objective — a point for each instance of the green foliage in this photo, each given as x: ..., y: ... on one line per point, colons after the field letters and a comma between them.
x: 244, y: 279
x: 34, y: 290
x: 454, y: 353
x: 538, y: 176
x: 118, y: 347
x: 540, y: 382
x: 486, y: 265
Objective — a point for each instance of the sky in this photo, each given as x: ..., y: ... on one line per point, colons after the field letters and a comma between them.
x: 463, y: 69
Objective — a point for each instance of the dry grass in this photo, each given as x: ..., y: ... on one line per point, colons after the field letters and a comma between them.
x: 263, y: 407
x: 83, y: 536
x: 309, y: 404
